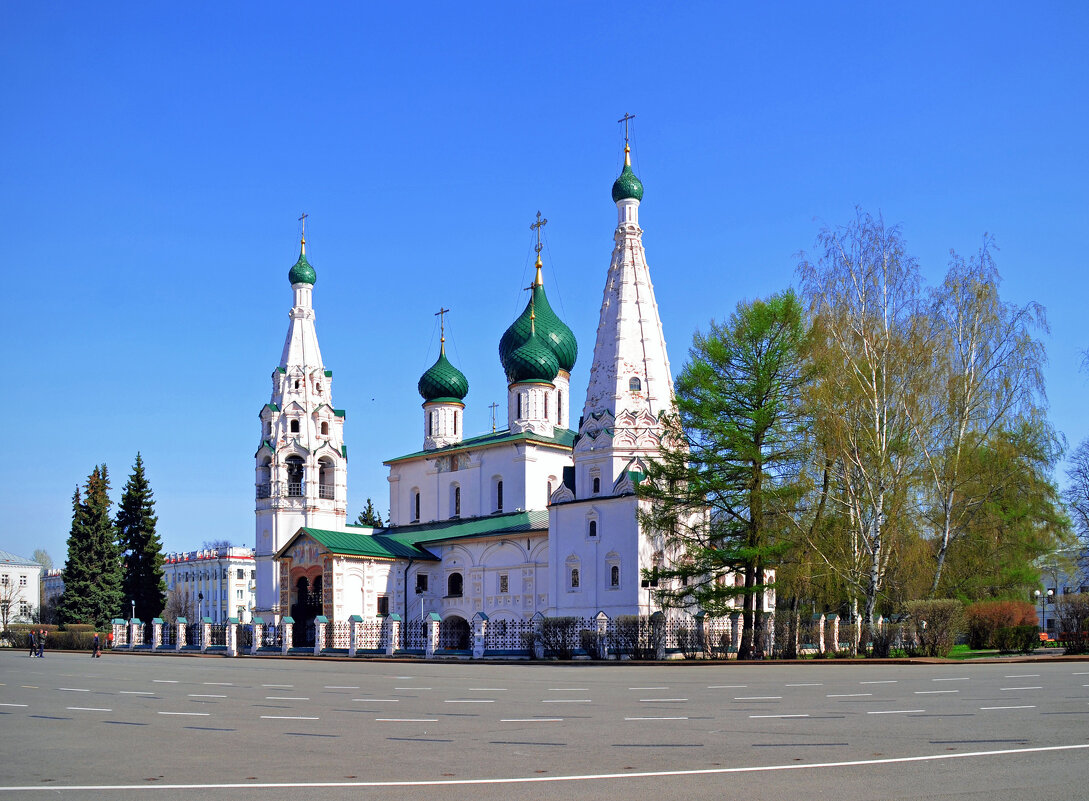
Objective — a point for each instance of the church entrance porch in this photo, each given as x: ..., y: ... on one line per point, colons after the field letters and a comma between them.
x: 454, y: 634
x: 305, y: 606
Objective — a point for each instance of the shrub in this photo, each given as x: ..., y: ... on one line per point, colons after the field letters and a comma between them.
x: 1020, y: 639
x: 637, y: 636
x: 559, y: 636
x: 986, y: 617
x: 937, y: 624
x: 1073, y: 614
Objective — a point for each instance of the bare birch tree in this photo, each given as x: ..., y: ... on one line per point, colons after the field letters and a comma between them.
x: 987, y: 377
x: 864, y: 295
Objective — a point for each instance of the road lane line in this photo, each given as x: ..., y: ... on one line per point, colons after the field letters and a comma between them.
x: 1023, y: 676
x: 565, y: 701
x: 29, y: 686
x: 187, y: 714
x: 660, y: 700
x: 379, y: 700
x: 655, y: 718
x: 896, y: 712
x: 568, y: 689
x: 89, y: 709
x: 280, y: 686
x: 648, y: 688
x: 287, y: 717
x: 727, y: 687
x: 412, y: 688
x: 286, y: 698
x: 164, y: 681
x: 757, y: 697
x: 848, y: 695
x: 1008, y: 689
x: 1008, y: 707
x: 219, y: 683
x: 886, y: 681
x: 808, y: 684
x: 23, y: 705
x: 340, y: 687
x: 205, y: 695
x: 469, y: 701
x: 935, y: 692
x: 135, y: 692
x: 530, y: 720
x: 958, y: 678
x: 778, y: 716
x: 72, y: 690
x: 143, y: 787
x: 488, y: 689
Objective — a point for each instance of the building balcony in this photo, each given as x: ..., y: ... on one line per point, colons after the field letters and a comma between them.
x: 326, y: 492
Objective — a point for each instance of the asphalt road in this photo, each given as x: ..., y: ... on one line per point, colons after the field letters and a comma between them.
x: 161, y: 727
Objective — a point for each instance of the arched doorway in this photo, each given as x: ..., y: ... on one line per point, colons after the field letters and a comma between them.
x: 454, y: 633
x: 306, y: 605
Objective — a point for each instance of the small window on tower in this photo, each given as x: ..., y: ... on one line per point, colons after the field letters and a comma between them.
x: 296, y: 383
x: 325, y: 429
x: 593, y: 528
x: 294, y: 426
x: 635, y: 385
x: 597, y: 485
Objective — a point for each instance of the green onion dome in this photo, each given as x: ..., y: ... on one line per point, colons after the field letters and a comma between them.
x: 627, y: 185
x: 302, y: 272
x: 443, y: 382
x: 550, y: 328
x: 533, y: 362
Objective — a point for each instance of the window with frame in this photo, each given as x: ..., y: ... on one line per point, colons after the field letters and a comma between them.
x: 238, y: 595
x: 382, y: 605
x: 635, y: 385
x: 240, y: 574
x: 593, y: 528
x: 614, y: 576
x: 454, y: 585
x: 596, y: 483
x: 416, y: 506
x: 294, y: 426
x: 22, y: 581
x: 574, y: 578
x: 421, y: 583
x: 324, y: 428
x: 504, y: 584
x: 4, y: 580
x: 499, y: 496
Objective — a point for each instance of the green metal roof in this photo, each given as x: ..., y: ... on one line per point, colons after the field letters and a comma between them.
x: 563, y: 438
x: 555, y: 333
x: 351, y: 543
x: 443, y: 381
x: 488, y: 526
x: 302, y: 272
x: 627, y: 186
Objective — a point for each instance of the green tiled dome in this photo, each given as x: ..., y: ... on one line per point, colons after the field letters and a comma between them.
x: 534, y: 361
x: 302, y: 272
x: 443, y: 382
x: 627, y: 186
x: 550, y: 328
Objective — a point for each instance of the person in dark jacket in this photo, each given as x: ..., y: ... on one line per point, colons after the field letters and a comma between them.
x: 96, y: 649
x: 33, y: 637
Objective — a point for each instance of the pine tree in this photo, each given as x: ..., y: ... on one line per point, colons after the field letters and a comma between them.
x: 92, y: 572
x: 141, y: 548
x: 369, y: 516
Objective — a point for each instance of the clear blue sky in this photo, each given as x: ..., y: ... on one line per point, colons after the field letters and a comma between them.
x: 154, y: 159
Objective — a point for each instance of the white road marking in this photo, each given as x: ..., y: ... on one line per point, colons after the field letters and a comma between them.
x: 72, y: 690
x: 406, y: 720
x: 412, y: 688
x: 935, y: 692
x: 379, y: 700
x: 568, y: 689
x: 660, y: 700
x: 566, y: 778
x: 219, y: 683
x: 886, y: 681
x: 958, y: 678
x: 287, y: 717
x: 1008, y: 689
x: 809, y: 684
x: 187, y: 714
x: 1080, y: 673
x: 565, y: 701
x: 286, y: 698
x: 489, y: 689
x: 205, y: 695
x: 778, y: 716
x: 404, y: 677
x: 469, y: 701
x: 648, y: 688
x: 1007, y: 707
x: 164, y: 681
x: 89, y: 709
x: 13, y: 705
x: 339, y: 687
x: 280, y: 686
x: 655, y: 718
x: 1023, y: 676
x: 847, y: 695
x: 896, y: 712
x: 727, y: 687
x: 135, y: 692
x: 757, y: 697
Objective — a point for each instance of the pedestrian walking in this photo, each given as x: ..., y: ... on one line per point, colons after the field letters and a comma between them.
x: 96, y: 650
x: 109, y: 640
x: 33, y: 637
x: 41, y: 643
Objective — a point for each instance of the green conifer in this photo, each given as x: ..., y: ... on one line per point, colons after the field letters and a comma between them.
x: 92, y: 572
x: 141, y: 548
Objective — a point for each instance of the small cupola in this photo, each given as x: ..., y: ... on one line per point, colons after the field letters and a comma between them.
x: 443, y: 388
x: 302, y: 272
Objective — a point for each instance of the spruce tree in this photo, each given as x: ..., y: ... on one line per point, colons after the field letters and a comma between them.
x: 141, y: 548
x: 369, y: 516
x: 92, y: 572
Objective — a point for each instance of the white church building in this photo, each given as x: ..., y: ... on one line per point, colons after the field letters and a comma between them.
x: 540, y: 517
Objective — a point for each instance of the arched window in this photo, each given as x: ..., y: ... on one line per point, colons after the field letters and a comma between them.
x: 635, y: 385
x: 574, y: 578
x: 614, y: 576
x: 324, y: 428
x: 416, y: 505
x: 294, y: 476
x: 454, y: 585
x: 294, y: 426
x: 593, y: 528
x: 559, y: 407
x: 499, y: 495
x: 296, y: 383
x: 431, y: 423
x: 455, y: 422
x: 597, y: 485
x: 546, y: 406
x: 455, y: 501
x: 519, y: 415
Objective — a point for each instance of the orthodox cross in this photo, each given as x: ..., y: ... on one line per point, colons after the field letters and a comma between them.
x: 302, y: 219
x: 493, y: 407
x: 537, y: 226
x: 441, y: 314
x: 626, y: 119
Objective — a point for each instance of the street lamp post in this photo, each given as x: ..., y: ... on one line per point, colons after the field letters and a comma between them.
x: 133, y: 610
x: 1045, y: 598
x: 200, y: 604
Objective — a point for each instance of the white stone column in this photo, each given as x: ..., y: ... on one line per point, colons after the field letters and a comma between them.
x: 134, y: 630
x: 737, y: 630
x: 393, y: 633
x: 431, y: 623
x: 232, y: 636
x: 179, y: 634
x: 258, y: 625
x: 321, y: 624
x: 480, y: 628
x: 353, y: 634
x: 818, y: 622
x: 205, y: 633
x: 832, y: 632
x: 156, y: 633
x: 602, y: 635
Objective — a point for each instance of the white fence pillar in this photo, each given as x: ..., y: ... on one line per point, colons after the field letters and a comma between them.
x: 353, y: 634
x: 258, y: 633
x: 480, y: 628
x: 432, y: 621
x: 321, y: 625
x: 393, y: 633
x: 287, y: 624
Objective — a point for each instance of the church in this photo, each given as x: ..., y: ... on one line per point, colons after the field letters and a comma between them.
x: 538, y: 518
